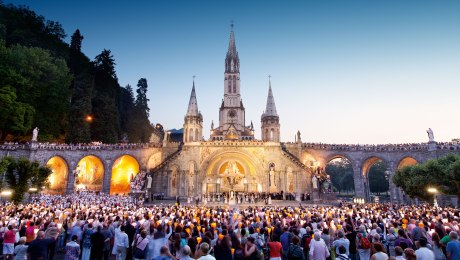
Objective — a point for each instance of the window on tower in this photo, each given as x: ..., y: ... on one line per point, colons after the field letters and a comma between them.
x: 234, y: 85
x: 230, y: 85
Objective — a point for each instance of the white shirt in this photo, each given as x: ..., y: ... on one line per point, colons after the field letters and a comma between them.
x: 424, y: 253
x: 121, y: 238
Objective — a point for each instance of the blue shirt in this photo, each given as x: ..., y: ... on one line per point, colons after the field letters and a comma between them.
x: 453, y: 248
x: 284, y: 239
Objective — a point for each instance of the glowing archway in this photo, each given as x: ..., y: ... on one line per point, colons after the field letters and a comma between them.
x: 89, y: 174
x: 407, y: 161
x: 374, y: 169
x: 58, y: 177
x: 124, y: 169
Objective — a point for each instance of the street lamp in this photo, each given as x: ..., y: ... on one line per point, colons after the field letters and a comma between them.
x: 434, y: 191
x: 89, y: 118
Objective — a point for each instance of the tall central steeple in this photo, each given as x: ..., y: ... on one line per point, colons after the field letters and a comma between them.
x: 232, y: 62
x: 231, y: 112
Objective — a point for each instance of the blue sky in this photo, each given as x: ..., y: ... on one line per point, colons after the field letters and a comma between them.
x: 342, y: 71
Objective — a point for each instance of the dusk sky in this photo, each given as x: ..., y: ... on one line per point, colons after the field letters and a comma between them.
x: 342, y: 71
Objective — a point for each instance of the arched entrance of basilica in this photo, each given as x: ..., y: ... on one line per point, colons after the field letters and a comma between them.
x: 233, y: 171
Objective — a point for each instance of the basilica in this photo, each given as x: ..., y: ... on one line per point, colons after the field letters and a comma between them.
x: 232, y: 160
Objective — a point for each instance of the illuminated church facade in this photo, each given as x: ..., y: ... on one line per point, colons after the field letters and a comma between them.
x: 231, y: 159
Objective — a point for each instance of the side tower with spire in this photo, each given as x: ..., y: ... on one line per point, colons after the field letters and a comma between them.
x: 270, y: 119
x: 193, y: 120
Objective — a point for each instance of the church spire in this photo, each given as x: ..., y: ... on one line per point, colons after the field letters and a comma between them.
x: 193, y: 104
x: 270, y: 110
x: 232, y: 62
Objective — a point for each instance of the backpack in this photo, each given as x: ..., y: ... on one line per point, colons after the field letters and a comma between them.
x: 295, y: 252
x: 138, y: 253
x: 364, y: 243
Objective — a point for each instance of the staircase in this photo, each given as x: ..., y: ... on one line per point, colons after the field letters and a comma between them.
x: 293, y: 158
x: 161, y: 166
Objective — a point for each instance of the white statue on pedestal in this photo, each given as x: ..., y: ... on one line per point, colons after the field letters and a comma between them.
x: 149, y: 182
x: 314, y: 182
x: 272, y: 177
x: 430, y: 135
x: 35, y: 134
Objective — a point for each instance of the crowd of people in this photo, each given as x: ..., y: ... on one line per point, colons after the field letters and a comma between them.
x: 98, y: 226
x: 322, y: 146
x: 383, y: 147
x: 246, y: 197
x: 89, y: 146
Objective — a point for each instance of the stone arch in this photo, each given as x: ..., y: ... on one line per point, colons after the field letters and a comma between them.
x: 308, y: 159
x: 406, y: 161
x: 249, y: 164
x: 344, y: 182
x: 124, y: 169
x: 365, y: 168
x: 89, y: 173
x: 369, y: 162
x: 59, y: 175
x: 337, y: 156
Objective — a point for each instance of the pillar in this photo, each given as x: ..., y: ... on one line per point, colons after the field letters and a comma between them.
x: 70, y: 187
x: 360, y: 188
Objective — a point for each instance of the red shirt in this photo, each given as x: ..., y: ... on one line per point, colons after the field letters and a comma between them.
x: 30, y: 234
x: 9, y: 237
x: 275, y: 249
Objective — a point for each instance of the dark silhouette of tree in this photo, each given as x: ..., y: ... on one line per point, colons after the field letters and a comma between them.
x: 377, y: 181
x: 105, y: 126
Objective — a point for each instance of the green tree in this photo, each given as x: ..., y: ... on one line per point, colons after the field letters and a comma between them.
x: 141, y: 98
x: 22, y: 174
x: 126, y: 112
x: 78, y: 130
x: 105, y: 126
x: 39, y: 80
x: 377, y: 181
x: 15, y: 117
x: 341, y: 173
x: 442, y: 173
x: 26, y: 28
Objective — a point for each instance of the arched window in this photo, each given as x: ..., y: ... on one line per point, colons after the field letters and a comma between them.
x: 196, y: 136
x: 271, y: 134
x: 234, y: 84
x: 229, y: 84
x: 190, y: 139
